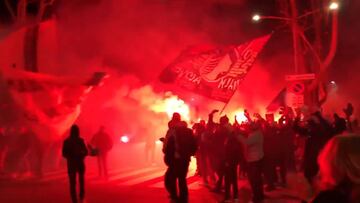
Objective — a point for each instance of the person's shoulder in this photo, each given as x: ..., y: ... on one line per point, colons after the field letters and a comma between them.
x: 330, y: 196
x: 189, y: 130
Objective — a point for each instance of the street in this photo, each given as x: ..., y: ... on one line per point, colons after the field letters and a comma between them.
x: 129, y: 181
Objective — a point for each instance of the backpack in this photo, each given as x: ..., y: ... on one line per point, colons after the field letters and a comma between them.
x: 186, y: 142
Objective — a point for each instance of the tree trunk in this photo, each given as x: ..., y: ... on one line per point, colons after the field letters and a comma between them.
x: 30, y: 48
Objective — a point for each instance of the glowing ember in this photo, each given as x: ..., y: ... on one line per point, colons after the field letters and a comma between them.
x: 124, y: 139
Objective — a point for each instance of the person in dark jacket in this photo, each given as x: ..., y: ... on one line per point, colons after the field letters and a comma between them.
x: 271, y: 148
x: 103, y: 143
x: 233, y: 156
x: 179, y: 145
x: 317, y: 131
x: 75, y: 151
x: 220, y: 135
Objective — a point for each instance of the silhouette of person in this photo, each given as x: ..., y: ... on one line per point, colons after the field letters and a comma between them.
x: 3, y: 146
x: 75, y: 151
x: 179, y: 146
x: 103, y: 142
x: 150, y: 145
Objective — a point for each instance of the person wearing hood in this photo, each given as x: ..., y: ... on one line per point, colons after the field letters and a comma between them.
x: 75, y: 151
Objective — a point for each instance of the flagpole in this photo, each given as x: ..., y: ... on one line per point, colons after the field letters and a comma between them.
x: 222, y: 110
x: 224, y: 107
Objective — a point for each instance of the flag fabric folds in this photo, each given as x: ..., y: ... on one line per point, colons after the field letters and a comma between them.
x: 48, y: 104
x: 214, y: 72
x: 278, y: 101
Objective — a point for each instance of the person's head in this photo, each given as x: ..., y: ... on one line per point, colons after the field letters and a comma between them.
x: 224, y: 120
x: 176, y: 117
x: 270, y: 118
x: 202, y: 123
x: 339, y: 124
x: 313, y: 123
x: 74, y: 131
x: 339, y: 161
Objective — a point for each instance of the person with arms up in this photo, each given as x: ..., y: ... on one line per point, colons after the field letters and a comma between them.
x: 254, y: 154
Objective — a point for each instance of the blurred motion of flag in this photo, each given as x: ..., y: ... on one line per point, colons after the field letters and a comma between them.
x: 214, y: 72
x: 49, y: 104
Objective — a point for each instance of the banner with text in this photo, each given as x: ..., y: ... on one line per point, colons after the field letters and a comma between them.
x: 214, y: 73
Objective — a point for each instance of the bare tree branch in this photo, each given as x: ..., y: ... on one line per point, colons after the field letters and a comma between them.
x: 10, y: 9
x: 42, y: 7
x: 21, y: 11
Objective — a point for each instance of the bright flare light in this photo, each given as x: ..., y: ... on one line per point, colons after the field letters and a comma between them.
x: 256, y: 17
x: 240, y: 117
x: 172, y: 104
x: 124, y: 139
x: 334, y: 6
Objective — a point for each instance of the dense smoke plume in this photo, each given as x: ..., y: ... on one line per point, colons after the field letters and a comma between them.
x: 135, y: 40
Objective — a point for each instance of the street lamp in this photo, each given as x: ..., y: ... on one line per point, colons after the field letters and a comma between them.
x: 298, y: 33
x: 334, y: 6
x: 294, y: 21
x: 256, y: 17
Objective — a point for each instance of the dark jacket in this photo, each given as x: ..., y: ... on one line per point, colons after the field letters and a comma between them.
x: 75, y: 151
x: 102, y: 141
x: 180, y: 144
x: 331, y: 196
x: 317, y: 135
x: 233, y: 151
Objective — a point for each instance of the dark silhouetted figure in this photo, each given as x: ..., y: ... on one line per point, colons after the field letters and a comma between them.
x: 74, y: 150
x: 220, y: 136
x: 103, y: 143
x: 271, y: 153
x: 318, y: 131
x: 179, y: 146
x: 233, y: 156
x: 3, y: 146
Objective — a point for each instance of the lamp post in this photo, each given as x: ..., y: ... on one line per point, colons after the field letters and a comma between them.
x: 298, y: 33
x: 300, y: 40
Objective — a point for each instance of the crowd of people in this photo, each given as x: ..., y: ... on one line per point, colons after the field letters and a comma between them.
x: 260, y: 149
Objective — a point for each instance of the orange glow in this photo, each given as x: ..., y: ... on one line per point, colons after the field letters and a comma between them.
x: 239, y: 113
x: 170, y: 104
